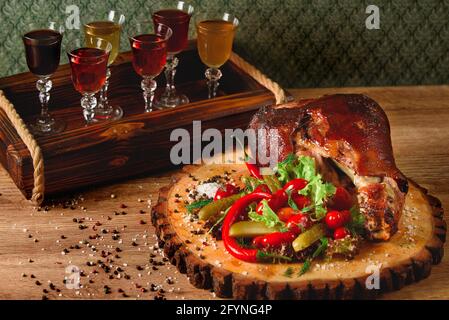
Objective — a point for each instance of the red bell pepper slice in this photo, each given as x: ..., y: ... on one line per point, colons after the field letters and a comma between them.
x: 228, y: 191
x: 278, y: 200
x: 274, y: 240
x: 237, y: 209
x: 295, y: 185
x: 254, y: 170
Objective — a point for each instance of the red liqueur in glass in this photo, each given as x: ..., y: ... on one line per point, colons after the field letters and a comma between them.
x: 149, y: 43
x: 88, y: 69
x: 149, y: 54
x: 178, y: 21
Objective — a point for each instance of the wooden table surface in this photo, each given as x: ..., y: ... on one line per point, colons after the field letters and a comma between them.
x: 38, y: 248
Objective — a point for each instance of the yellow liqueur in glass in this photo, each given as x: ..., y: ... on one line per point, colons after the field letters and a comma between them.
x: 108, y: 29
x: 215, y: 37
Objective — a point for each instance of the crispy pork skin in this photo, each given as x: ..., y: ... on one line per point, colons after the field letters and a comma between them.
x: 352, y: 132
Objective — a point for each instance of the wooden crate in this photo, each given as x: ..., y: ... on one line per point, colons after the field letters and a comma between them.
x: 139, y: 143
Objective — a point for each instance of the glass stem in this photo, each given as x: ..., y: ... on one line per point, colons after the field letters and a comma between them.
x: 149, y: 87
x: 103, y: 104
x: 44, y: 86
x: 213, y: 75
x: 89, y: 102
x: 170, y: 72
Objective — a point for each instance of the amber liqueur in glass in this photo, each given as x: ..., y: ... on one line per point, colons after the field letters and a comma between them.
x: 214, y: 41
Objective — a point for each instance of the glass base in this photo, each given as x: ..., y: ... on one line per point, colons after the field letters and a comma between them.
x: 166, y: 102
x: 112, y: 114
x: 41, y: 128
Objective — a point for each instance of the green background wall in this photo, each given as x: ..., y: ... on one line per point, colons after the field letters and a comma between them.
x: 297, y: 43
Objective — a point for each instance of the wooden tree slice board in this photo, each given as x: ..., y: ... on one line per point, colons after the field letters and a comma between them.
x: 405, y: 259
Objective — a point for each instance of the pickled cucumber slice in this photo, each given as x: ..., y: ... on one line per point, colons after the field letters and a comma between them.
x: 216, y: 207
x: 309, y: 237
x: 249, y: 229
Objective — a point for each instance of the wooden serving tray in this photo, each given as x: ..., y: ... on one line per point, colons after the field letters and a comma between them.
x: 139, y: 143
x: 406, y: 258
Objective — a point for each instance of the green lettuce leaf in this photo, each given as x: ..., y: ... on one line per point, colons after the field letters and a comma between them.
x: 295, y: 167
x: 285, y: 168
x: 305, y: 168
x: 268, y: 217
x: 317, y: 190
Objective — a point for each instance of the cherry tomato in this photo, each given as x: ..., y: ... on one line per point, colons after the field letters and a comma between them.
x: 220, y: 194
x: 286, y: 213
x: 335, y: 219
x: 300, y: 200
x: 340, y: 233
x: 273, y: 240
x: 342, y: 199
x: 298, y: 222
x: 227, y: 192
x: 262, y: 188
x: 277, y: 201
x: 295, y: 184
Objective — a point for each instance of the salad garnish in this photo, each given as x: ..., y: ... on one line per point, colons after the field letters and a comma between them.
x: 291, y: 215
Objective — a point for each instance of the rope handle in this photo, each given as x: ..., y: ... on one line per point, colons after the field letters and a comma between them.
x: 29, y: 141
x: 255, y: 73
